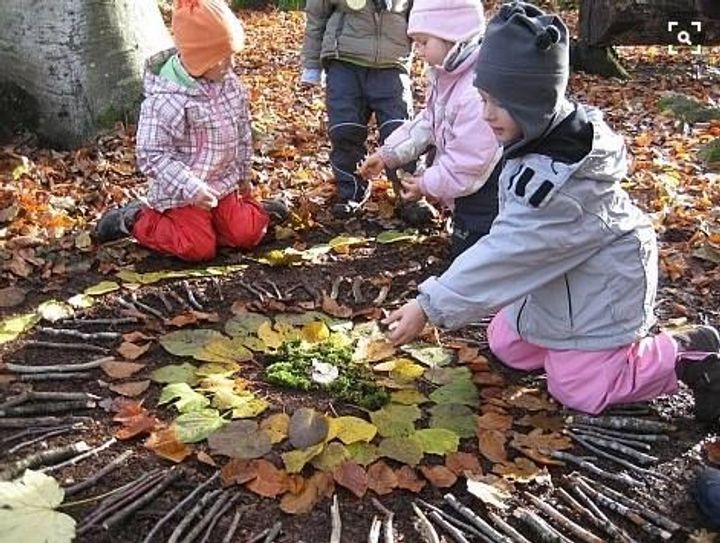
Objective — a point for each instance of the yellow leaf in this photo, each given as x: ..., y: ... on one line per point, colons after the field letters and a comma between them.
x: 269, y: 337
x: 315, y: 332
x: 351, y: 429
x: 276, y: 426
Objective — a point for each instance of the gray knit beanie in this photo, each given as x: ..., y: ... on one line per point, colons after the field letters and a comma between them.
x: 524, y: 64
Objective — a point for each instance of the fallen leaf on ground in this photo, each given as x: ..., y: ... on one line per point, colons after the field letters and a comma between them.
x: 205, y: 458
x: 521, y: 470
x: 238, y: 472
x: 542, y: 421
x: 130, y: 389
x: 531, y: 399
x: 121, y: 370
x: 276, y: 426
x: 270, y: 481
x: 381, y: 478
x: 408, y: 479
x: 165, y: 444
x: 494, y: 421
x: 492, y: 445
x: 332, y: 307
x: 439, y: 476
x: 353, y: 477
x: 240, y: 439
x: 135, y: 420
x: 491, y: 490
x: 12, y: 296
x: 461, y: 463
x: 131, y: 351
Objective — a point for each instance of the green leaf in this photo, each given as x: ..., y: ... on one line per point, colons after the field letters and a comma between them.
x: 343, y: 242
x: 301, y: 319
x: 249, y: 407
x: 198, y: 425
x: 443, y: 376
x: 403, y: 449
x: 396, y: 420
x: 188, y: 342
x: 240, y: 439
x: 185, y: 398
x: 332, y: 457
x: 455, y: 417
x: 363, y: 453
x: 351, y: 429
x: 245, y: 324
x: 12, y: 327
x: 430, y: 355
x: 27, y: 511
x: 224, y: 350
x: 101, y: 288
x: 408, y: 397
x: 295, y: 460
x: 81, y: 301
x: 437, y: 441
x: 176, y: 373
x: 393, y: 236
x: 461, y: 391
x: 307, y: 428
x: 55, y: 310
x: 130, y: 276
x: 215, y: 368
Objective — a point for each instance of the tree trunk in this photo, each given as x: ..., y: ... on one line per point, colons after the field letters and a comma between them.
x: 78, y: 62
x: 645, y: 22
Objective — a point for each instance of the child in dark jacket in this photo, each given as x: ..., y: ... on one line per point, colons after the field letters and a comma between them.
x: 194, y: 145
x: 570, y: 263
x: 363, y: 47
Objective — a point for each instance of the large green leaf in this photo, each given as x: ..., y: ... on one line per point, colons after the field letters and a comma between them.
x: 363, y: 453
x: 101, y: 288
x: 460, y: 391
x: 445, y: 375
x: 403, y: 449
x: 396, y: 420
x: 331, y: 458
x: 351, y: 429
x: 176, y: 373
x: 188, y: 342
x: 245, y: 324
x: 437, y: 440
x: 430, y: 355
x: 456, y: 417
x: 295, y: 460
x: 240, y: 439
x: 393, y: 236
x: 198, y: 425
x: 12, y: 327
x: 27, y: 512
x: 184, y: 398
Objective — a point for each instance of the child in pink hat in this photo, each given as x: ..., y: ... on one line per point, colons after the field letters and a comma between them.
x: 447, y: 34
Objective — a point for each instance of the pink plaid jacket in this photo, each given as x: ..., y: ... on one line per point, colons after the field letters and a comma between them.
x: 188, y: 137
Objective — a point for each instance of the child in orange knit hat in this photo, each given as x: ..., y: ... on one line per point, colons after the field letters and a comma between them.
x: 194, y: 145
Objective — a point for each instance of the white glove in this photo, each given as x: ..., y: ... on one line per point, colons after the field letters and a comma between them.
x: 311, y: 76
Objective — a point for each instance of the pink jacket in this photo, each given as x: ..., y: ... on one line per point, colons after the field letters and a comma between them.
x: 189, y: 136
x: 467, y: 150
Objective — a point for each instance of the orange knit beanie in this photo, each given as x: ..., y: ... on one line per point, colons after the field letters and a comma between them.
x: 205, y: 32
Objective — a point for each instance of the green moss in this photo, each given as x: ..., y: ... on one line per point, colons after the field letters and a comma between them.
x: 687, y: 109
x: 291, y: 367
x: 710, y: 153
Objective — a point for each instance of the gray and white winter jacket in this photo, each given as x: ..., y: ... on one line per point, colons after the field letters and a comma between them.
x: 569, y: 255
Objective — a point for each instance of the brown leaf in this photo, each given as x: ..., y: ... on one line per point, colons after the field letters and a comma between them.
x: 353, y: 477
x: 492, y: 445
x: 489, y: 393
x: 131, y: 388
x: 136, y: 336
x: 381, y: 478
x: 121, y: 370
x: 379, y: 350
x: 165, y: 444
x: 528, y: 398
x: 239, y: 308
x: 301, y: 502
x: 479, y: 363
x: 408, y: 480
x: 296, y: 483
x: 461, y: 463
x: 135, y: 420
x: 12, y: 296
x: 439, y: 476
x: 191, y: 317
x: 542, y: 421
x: 536, y: 439
x: 487, y: 378
x: 521, y: 470
x: 130, y: 351
x: 712, y: 449
x: 205, y: 458
x: 324, y: 483
x: 270, y: 481
x: 238, y: 472
x: 494, y: 421
x: 332, y: 307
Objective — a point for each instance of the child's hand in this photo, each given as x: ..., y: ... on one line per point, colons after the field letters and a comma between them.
x: 206, y: 197
x: 372, y: 166
x: 411, y: 189
x: 406, y: 323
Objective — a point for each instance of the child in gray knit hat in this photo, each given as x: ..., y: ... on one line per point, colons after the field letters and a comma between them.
x: 570, y: 264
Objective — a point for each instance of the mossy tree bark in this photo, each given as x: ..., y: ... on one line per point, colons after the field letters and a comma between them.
x: 78, y: 62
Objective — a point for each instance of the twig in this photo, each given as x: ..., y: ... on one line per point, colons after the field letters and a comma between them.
x: 169, y: 478
x: 17, y: 368
x: 31, y: 395
x: 206, y: 518
x: 622, y: 510
x: 43, y: 421
x: 630, y: 442
x: 459, y: 524
x: 647, y: 438
x: 607, y: 525
x: 382, y: 295
x: 567, y: 457
x: 189, y: 517
x: 191, y: 296
x: 511, y: 532
x: 164, y: 301
x: 68, y: 332
x: 252, y: 290
x: 335, y: 287
x: 653, y: 516
x: 388, y: 522
x: 42, y: 437
x: 375, y: 527
x: 216, y: 282
x: 220, y: 514
x: 90, y: 481
x: 453, y: 532
x: 615, y: 446
x: 108, y: 322
x: 92, y: 452
x: 47, y: 408
x: 179, y: 299
x: 259, y: 537
x: 357, y: 289
x: 545, y: 533
x: 190, y: 497
x: 583, y: 511
x: 234, y: 524
x: 634, y: 408
x: 274, y: 533
x: 562, y: 520
x: 66, y: 346
x: 57, y: 454
x: 68, y: 376
x: 620, y: 461
x: 476, y: 521
x: 312, y: 291
x: 275, y: 289
x: 336, y: 531
x: 154, y: 312
x: 624, y: 423
x: 426, y: 529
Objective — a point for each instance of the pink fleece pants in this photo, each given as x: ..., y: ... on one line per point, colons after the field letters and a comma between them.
x: 590, y: 381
